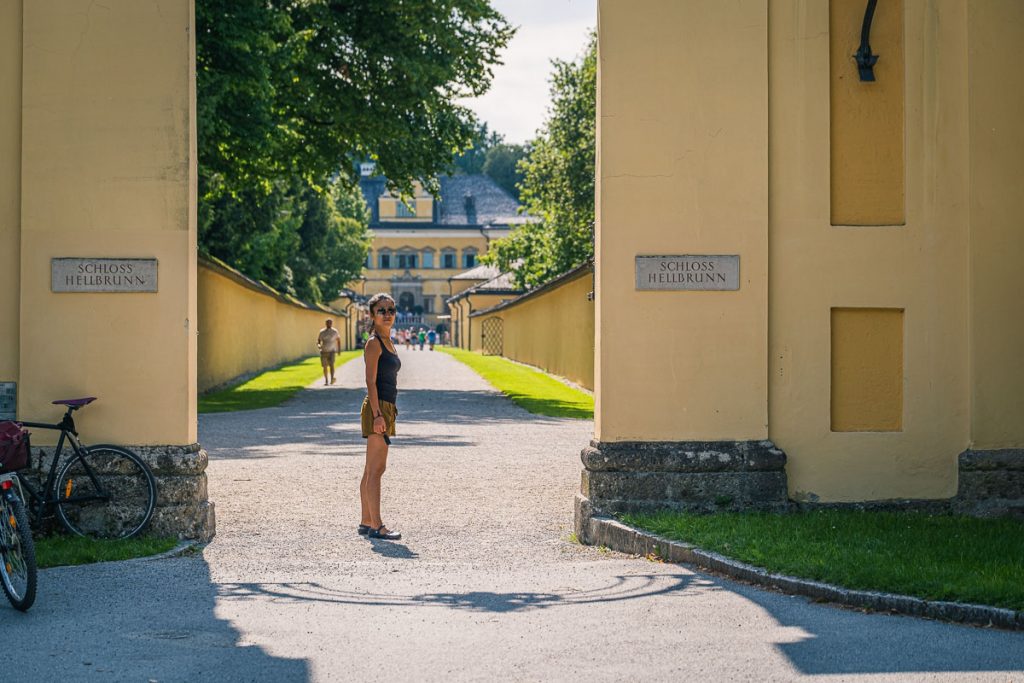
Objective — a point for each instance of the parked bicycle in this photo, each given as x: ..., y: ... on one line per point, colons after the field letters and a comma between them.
x: 101, y: 491
x: 17, y: 550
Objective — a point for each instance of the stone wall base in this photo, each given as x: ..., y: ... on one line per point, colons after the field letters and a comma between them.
x: 700, y: 476
x: 991, y: 483
x: 182, y: 505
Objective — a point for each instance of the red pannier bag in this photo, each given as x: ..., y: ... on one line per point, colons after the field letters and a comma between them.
x: 14, y: 447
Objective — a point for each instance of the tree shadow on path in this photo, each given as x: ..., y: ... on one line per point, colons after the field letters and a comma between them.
x: 133, y: 621
x: 847, y: 641
x: 327, y: 422
x: 630, y: 587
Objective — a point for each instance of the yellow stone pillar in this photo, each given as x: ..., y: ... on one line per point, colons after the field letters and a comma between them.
x: 108, y: 170
x: 681, y: 374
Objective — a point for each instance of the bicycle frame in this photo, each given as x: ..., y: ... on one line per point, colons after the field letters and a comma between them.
x: 66, y: 427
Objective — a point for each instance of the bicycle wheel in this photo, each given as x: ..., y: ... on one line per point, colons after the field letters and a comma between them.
x: 17, y: 553
x: 107, y: 492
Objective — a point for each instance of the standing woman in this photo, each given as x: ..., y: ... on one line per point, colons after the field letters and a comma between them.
x: 378, y: 413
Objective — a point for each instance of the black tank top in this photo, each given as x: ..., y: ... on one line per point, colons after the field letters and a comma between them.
x: 388, y: 366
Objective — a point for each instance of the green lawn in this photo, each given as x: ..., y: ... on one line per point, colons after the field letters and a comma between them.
x: 57, y: 551
x: 531, y: 389
x: 270, y: 388
x: 934, y: 557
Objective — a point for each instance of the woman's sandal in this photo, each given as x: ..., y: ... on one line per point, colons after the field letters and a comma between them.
x: 384, y: 535
x: 363, y: 529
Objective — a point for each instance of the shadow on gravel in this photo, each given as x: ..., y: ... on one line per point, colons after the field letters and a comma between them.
x: 398, y: 551
x: 133, y: 622
x: 630, y: 587
x: 848, y: 641
x: 327, y: 422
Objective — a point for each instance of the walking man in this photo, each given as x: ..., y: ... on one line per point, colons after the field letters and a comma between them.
x: 329, y: 343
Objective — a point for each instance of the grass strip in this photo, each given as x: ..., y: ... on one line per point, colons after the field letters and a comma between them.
x: 59, y: 551
x: 270, y: 388
x: 533, y: 390
x: 935, y: 557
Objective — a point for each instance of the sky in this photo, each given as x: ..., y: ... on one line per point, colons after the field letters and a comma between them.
x: 517, y: 102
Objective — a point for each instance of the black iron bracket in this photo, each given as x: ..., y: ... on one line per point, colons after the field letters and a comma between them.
x: 865, y: 59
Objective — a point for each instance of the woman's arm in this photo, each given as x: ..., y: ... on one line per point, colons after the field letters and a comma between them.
x: 371, y: 354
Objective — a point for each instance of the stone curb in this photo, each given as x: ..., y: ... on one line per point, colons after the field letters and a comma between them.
x: 178, y: 550
x: 618, y: 536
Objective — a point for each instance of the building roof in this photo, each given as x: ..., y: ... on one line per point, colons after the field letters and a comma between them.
x: 585, y: 268
x: 481, y: 272
x: 464, y: 201
x: 504, y: 283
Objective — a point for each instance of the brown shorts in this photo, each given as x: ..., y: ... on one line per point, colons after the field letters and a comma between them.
x: 388, y: 410
x: 327, y: 358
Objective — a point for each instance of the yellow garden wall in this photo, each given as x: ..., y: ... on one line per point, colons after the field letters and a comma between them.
x: 552, y: 330
x: 245, y: 327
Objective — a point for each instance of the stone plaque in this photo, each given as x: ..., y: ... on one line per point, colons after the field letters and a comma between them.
x: 688, y: 272
x: 103, y: 275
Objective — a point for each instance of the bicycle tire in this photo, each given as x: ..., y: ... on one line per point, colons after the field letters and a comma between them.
x: 107, y: 492
x: 18, y: 572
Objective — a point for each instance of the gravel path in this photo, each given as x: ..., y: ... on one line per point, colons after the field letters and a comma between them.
x: 486, y: 584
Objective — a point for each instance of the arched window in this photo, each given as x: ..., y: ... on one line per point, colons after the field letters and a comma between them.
x: 406, y: 302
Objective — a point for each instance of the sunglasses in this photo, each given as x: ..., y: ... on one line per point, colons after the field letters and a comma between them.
x: 386, y: 311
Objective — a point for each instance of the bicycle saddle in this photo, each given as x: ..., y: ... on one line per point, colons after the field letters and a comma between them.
x: 75, y: 402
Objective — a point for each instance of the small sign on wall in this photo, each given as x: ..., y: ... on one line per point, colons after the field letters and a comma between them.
x: 8, y: 400
x: 103, y: 275
x: 688, y: 272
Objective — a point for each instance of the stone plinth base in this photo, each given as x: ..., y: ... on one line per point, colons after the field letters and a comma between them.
x: 703, y: 476
x: 182, y: 506
x: 991, y: 483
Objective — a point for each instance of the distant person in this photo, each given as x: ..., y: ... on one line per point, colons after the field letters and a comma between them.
x: 422, y: 338
x: 407, y: 337
x: 431, y: 339
x: 329, y: 343
x: 378, y: 414
x: 446, y: 338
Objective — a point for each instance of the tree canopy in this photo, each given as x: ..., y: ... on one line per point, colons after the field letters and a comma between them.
x: 557, y: 186
x: 291, y: 95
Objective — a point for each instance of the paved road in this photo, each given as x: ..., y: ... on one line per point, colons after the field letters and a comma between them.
x: 486, y: 584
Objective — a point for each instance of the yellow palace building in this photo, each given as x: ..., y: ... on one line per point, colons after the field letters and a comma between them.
x: 423, y: 242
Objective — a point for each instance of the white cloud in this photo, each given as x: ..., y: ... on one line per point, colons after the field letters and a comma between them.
x: 517, y: 102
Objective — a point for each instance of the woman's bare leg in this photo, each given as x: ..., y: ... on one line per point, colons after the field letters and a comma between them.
x: 369, y: 487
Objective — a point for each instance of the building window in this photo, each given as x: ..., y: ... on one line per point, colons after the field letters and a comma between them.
x: 468, y: 259
x: 448, y: 259
x: 385, y: 261
x: 407, y: 260
x: 428, y: 304
x: 369, y: 260
x: 403, y: 211
x: 428, y: 259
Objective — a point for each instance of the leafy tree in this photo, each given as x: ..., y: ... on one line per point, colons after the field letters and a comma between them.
x: 472, y: 160
x: 290, y: 93
x: 332, y: 247
x: 502, y: 166
x: 558, y: 180
x: 286, y: 85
